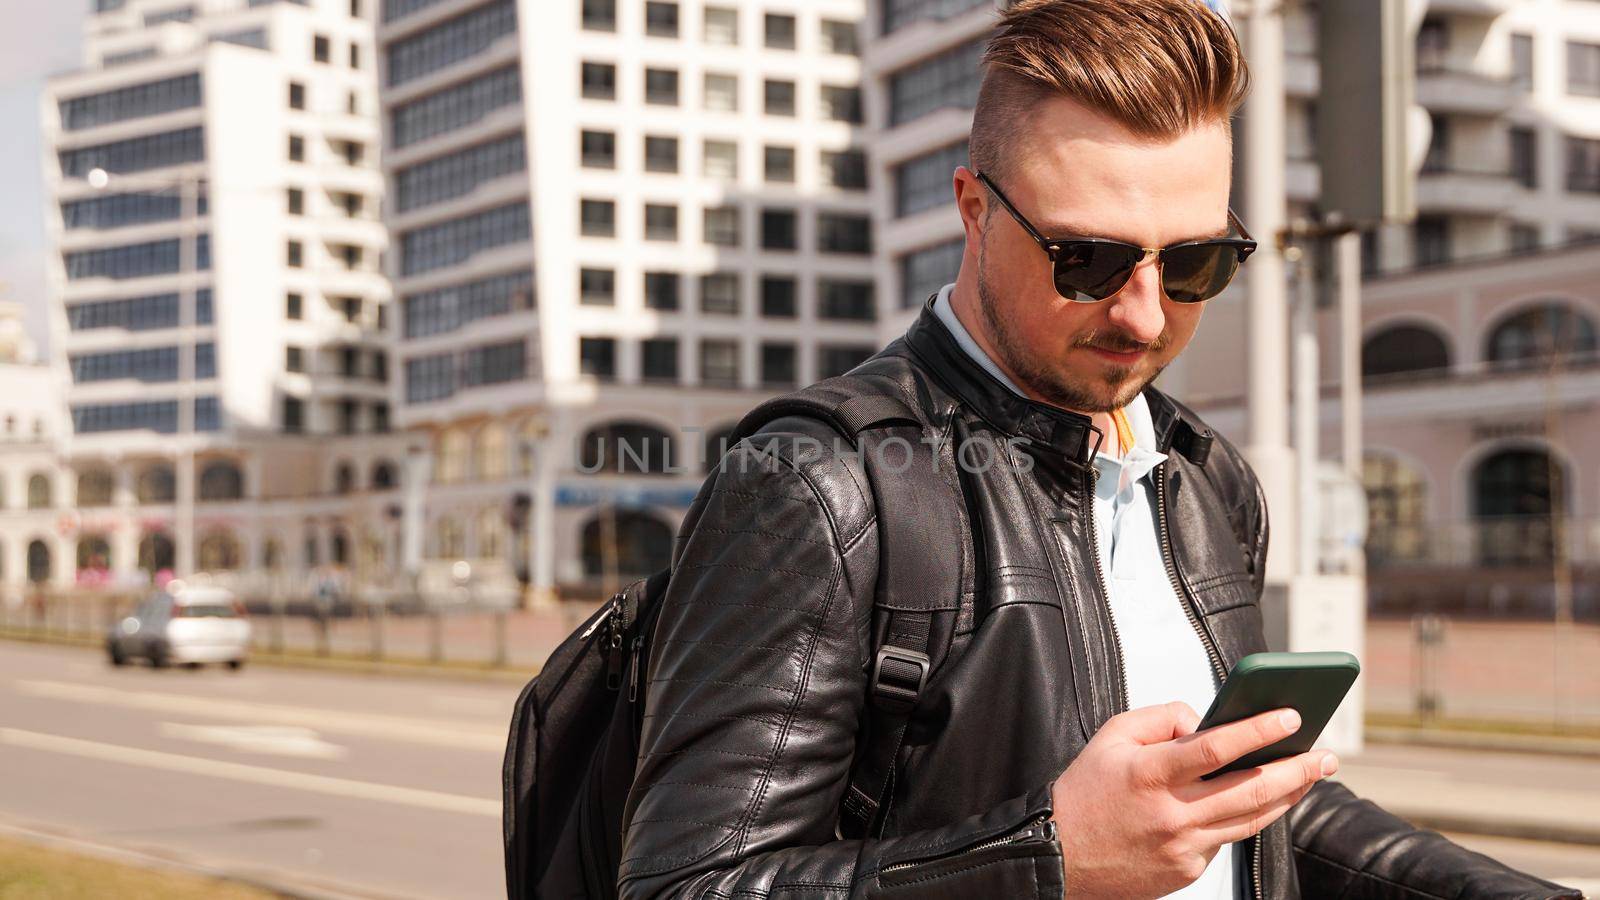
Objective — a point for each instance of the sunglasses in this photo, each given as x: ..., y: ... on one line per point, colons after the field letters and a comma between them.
x: 1088, y: 270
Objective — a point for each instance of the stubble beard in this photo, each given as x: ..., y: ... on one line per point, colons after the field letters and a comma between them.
x: 1114, y: 389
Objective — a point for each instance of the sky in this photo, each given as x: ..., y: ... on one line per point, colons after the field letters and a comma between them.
x: 40, y: 38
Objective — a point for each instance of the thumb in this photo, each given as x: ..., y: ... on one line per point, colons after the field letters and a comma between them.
x: 1152, y: 724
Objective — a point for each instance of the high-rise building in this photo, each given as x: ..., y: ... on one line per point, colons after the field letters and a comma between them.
x: 615, y: 225
x: 219, y: 308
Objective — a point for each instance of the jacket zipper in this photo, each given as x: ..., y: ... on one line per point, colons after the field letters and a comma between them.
x: 1038, y: 828
x: 1105, y: 587
x: 1186, y: 601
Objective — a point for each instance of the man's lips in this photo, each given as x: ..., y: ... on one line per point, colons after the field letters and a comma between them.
x: 1126, y: 358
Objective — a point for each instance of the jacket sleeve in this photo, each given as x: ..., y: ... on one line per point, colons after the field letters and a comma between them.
x: 757, y: 684
x: 1348, y: 847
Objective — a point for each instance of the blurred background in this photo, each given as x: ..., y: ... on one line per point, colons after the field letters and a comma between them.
x: 322, y: 323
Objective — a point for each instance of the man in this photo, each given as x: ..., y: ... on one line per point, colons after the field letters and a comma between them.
x: 1054, y: 749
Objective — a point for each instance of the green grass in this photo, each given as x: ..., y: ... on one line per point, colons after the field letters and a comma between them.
x: 29, y: 872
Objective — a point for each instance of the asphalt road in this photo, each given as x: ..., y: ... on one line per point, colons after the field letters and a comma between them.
x: 389, y: 787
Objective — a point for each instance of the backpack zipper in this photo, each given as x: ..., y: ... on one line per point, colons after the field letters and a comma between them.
x: 1185, y: 600
x: 1039, y: 828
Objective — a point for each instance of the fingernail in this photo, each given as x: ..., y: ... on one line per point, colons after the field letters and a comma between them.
x: 1330, y: 764
x: 1290, y: 719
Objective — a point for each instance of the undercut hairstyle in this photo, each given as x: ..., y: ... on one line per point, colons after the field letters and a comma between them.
x: 1159, y: 68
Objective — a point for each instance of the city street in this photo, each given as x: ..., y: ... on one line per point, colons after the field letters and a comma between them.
x: 357, y: 785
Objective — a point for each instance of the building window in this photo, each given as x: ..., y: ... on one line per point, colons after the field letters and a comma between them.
x: 778, y: 97
x: 845, y: 299
x: 1536, y: 336
x: 597, y: 287
x: 600, y: 15
x: 1396, y: 510
x: 297, y: 148
x: 719, y: 362
x: 661, y: 19
x: 294, y: 415
x: 719, y: 293
x: 721, y: 25
x: 1583, y: 69
x: 1524, y: 237
x: 598, y: 149
x: 631, y: 545
x: 661, y: 87
x: 721, y: 160
x: 355, y: 55
x: 1524, y: 152
x: 1514, y: 496
x: 780, y: 229
x: 661, y: 291
x: 779, y: 31
x: 1409, y: 351
x: 446, y: 309
x: 660, y: 154
x: 205, y: 360
x: 1522, y: 61
x: 898, y: 14
x: 297, y: 202
x: 924, y: 182
x: 456, y: 106
x: 948, y: 80
x: 430, y: 378
x: 321, y: 48
x: 833, y: 360
x: 598, y: 218
x: 296, y: 256
x: 778, y: 365
x: 779, y: 295
x: 844, y: 233
x: 845, y: 169
x: 146, y: 313
x: 137, y: 101
x: 294, y: 359
x: 721, y: 92
x: 294, y: 306
x: 297, y: 95
x: 152, y: 151
x: 841, y: 104
x: 840, y: 37
x: 454, y: 241
x: 494, y: 363
x: 455, y: 39
x: 597, y: 357
x: 721, y: 226
x: 599, y: 81
x: 1430, y: 241
x: 204, y: 311
x: 660, y: 221
x: 659, y: 359
x: 1583, y: 165
x: 149, y: 365
x: 778, y: 164
x: 923, y: 272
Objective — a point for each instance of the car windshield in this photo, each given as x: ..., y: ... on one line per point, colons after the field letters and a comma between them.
x: 205, y: 610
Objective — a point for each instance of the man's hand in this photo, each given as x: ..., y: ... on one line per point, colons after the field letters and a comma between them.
x: 1133, y: 816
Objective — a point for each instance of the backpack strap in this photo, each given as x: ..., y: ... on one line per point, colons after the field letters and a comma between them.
x: 919, y: 567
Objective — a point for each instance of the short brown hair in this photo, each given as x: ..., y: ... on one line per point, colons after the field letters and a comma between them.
x: 1157, y: 67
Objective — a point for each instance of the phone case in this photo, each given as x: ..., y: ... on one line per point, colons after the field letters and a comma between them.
x: 1312, y: 684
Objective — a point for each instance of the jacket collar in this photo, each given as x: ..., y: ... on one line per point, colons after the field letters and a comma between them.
x: 1070, y: 434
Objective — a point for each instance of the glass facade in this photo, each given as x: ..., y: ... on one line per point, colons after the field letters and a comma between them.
x: 456, y: 106
x: 451, y: 41
x: 898, y: 14
x: 132, y: 102
x: 132, y: 313
x: 925, y: 271
x: 455, y: 241
x: 154, y: 151
x: 155, y: 415
x: 150, y: 364
x: 459, y: 173
x: 127, y: 261
x: 119, y: 210
x: 949, y: 79
x: 924, y: 182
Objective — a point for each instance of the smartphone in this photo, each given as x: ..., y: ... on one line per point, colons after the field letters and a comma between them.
x: 1311, y: 684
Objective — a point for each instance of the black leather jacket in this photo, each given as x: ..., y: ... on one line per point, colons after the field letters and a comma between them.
x: 757, y: 682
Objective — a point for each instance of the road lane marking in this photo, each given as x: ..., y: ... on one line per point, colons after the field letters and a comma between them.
x: 197, y: 765
x: 422, y: 731
x: 283, y: 740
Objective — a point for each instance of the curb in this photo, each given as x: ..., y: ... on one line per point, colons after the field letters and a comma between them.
x: 1553, y: 744
x: 1529, y: 831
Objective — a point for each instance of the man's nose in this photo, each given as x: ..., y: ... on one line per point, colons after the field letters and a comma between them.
x: 1136, y: 309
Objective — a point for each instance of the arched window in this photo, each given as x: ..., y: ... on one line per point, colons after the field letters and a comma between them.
x: 219, y: 551
x: 39, y: 491
x: 156, y: 552
x: 156, y: 484
x: 1535, y: 335
x: 630, y: 448
x: 383, y: 477
x: 627, y: 543
x: 1514, y: 493
x: 451, y: 457
x: 718, y: 442
x: 272, y: 554
x: 491, y: 450
x: 38, y: 562
x: 340, y: 549
x: 94, y: 487
x: 94, y: 553
x: 1396, y: 510
x: 448, y: 539
x: 491, y: 533
x: 344, y: 478
x: 1413, y: 350
x: 221, y: 480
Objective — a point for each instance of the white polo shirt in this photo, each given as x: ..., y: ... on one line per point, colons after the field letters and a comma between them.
x: 1162, y: 655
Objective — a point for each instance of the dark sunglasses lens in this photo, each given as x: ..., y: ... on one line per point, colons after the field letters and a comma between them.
x: 1086, y: 271
x: 1198, y: 272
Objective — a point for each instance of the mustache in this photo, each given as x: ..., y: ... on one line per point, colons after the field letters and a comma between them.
x: 1121, y: 342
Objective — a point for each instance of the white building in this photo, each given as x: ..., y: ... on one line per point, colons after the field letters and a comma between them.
x: 630, y: 221
x: 218, y: 305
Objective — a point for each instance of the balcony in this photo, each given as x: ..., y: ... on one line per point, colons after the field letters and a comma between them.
x: 1491, y: 542
x: 1454, y: 88
x: 1445, y: 188
x: 1483, y: 8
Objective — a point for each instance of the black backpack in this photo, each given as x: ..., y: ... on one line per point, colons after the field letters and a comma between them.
x: 574, y: 739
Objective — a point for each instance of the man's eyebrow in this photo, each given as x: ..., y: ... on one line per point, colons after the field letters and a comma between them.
x: 1056, y: 231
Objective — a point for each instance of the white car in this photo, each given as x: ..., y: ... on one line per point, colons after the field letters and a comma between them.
x: 189, y: 626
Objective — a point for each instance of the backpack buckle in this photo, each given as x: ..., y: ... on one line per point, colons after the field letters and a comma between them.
x: 898, y: 676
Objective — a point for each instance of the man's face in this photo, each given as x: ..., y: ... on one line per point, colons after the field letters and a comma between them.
x: 1078, y: 174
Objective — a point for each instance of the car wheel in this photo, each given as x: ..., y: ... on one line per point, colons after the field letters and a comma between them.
x: 192, y: 666
x: 158, y: 656
x: 235, y: 664
x: 118, y: 658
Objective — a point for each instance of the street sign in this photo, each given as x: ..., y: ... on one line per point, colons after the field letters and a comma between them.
x: 1365, y: 53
